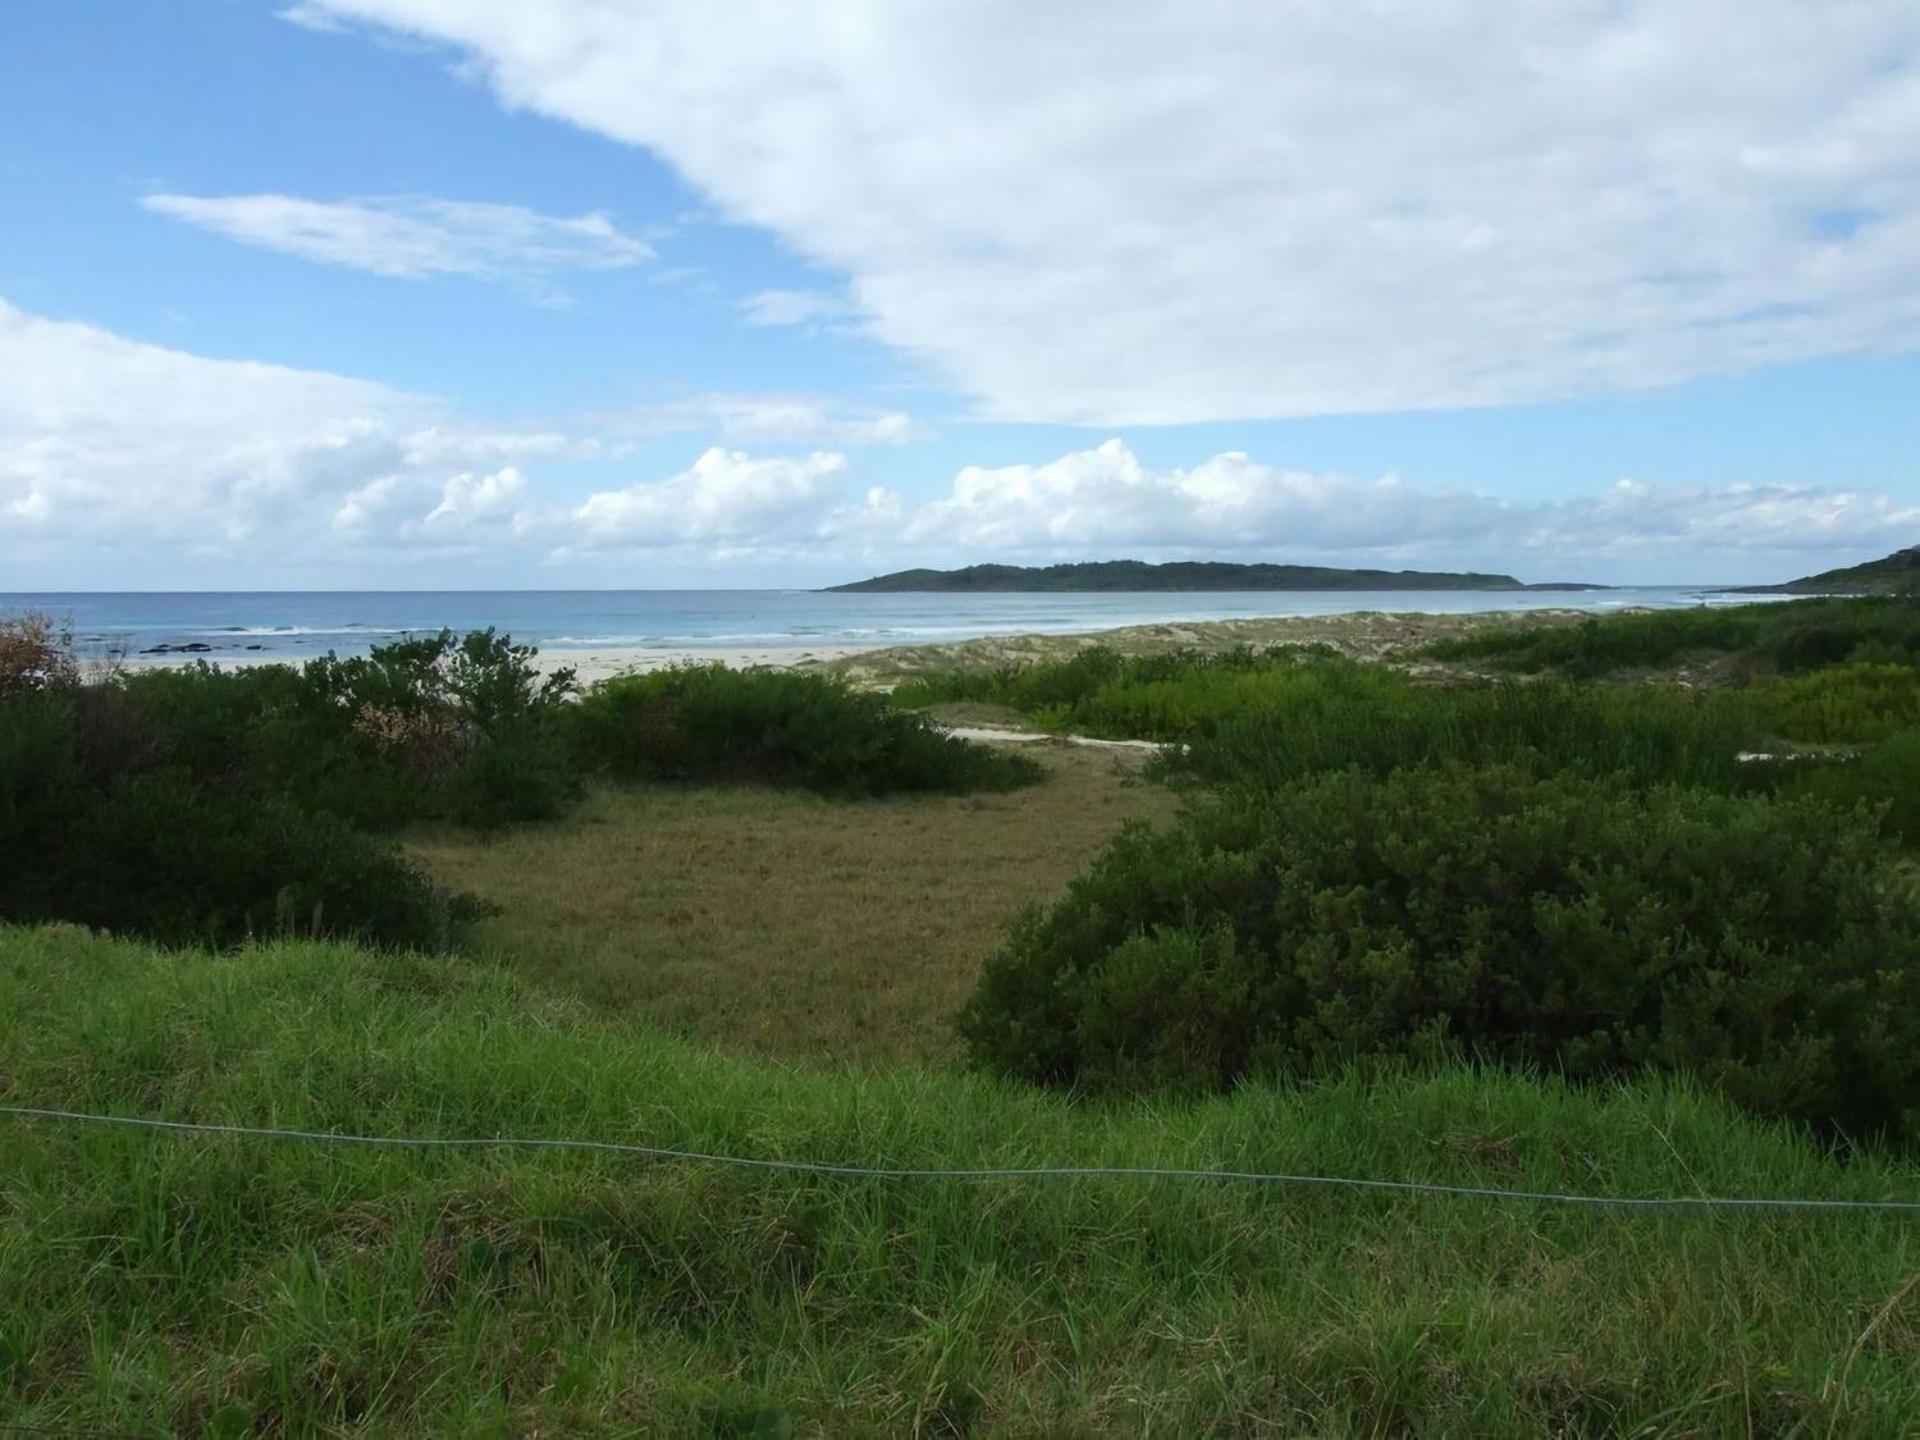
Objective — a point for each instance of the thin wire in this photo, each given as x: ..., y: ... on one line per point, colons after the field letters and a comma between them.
x: 1050, y: 1172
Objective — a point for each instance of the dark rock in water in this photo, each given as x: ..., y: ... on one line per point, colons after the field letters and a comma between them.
x: 192, y: 647
x: 256, y: 647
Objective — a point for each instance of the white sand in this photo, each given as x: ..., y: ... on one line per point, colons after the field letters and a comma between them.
x: 1368, y: 635
x: 598, y: 664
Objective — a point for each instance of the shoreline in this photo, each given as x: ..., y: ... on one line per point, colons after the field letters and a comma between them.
x: 1359, y: 634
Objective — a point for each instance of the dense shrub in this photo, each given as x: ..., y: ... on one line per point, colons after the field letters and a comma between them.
x: 1790, y: 636
x: 1338, y: 714
x: 98, y: 828
x: 706, y: 722
x: 1845, y: 704
x: 204, y: 805
x: 208, y: 805
x: 1885, y: 779
x: 36, y: 653
x: 432, y: 727
x: 1759, y: 945
x: 1102, y: 692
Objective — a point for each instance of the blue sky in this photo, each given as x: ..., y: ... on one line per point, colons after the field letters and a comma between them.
x: 417, y: 292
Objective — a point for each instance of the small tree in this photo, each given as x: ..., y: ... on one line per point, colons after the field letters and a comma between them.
x: 36, y: 653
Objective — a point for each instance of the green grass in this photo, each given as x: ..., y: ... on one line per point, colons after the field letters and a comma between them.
x: 190, y: 1285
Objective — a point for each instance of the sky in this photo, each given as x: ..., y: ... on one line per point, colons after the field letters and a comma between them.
x: 308, y: 294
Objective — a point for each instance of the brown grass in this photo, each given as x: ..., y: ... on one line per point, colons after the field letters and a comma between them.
x: 782, y: 923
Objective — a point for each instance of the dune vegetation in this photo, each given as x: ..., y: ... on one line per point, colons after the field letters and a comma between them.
x: 1627, y: 915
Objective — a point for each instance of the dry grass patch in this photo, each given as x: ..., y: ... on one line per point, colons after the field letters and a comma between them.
x: 782, y: 923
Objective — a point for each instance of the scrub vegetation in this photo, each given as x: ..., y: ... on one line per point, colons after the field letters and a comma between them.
x: 198, y: 804
x: 1624, y: 909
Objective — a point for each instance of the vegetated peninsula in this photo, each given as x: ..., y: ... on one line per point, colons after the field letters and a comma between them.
x: 1186, y: 575
x: 1895, y: 574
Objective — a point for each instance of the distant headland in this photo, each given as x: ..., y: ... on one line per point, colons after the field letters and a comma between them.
x: 1186, y: 575
x: 1895, y: 574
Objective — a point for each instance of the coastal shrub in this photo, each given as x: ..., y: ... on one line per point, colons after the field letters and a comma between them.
x: 36, y: 653
x: 1855, y: 703
x: 1338, y: 715
x: 707, y: 722
x: 165, y: 856
x: 1102, y: 692
x: 430, y: 727
x: 1761, y: 946
x: 1790, y: 636
x: 1049, y: 684
x: 99, y: 828
x: 1885, y: 779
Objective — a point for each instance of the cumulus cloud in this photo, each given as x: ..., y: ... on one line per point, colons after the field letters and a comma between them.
x: 105, y: 441
x: 414, y: 236
x: 1104, y: 502
x: 725, y: 498
x: 1207, y: 210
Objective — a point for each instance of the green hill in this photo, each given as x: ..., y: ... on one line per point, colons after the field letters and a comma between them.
x: 1185, y: 575
x: 1895, y: 574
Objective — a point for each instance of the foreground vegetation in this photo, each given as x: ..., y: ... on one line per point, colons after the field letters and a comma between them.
x: 200, y: 805
x: 1596, y: 878
x: 176, y: 1284
x: 1539, y: 918
x: 1566, y: 924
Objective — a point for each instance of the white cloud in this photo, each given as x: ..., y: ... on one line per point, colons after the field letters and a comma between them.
x: 108, y: 442
x: 771, y: 420
x: 414, y: 236
x: 111, y: 447
x: 726, y: 498
x: 792, y: 307
x: 311, y: 17
x: 1104, y: 503
x: 1179, y: 212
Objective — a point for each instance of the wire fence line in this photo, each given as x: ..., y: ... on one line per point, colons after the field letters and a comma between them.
x: 988, y: 1173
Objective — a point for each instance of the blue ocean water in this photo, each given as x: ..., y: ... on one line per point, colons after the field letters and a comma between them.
x: 296, y: 625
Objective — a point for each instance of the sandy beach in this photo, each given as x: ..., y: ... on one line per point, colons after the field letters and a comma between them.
x: 1366, y: 635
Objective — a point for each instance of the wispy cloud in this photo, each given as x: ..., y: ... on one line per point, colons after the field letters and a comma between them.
x: 415, y: 236
x: 793, y: 307
x: 768, y: 420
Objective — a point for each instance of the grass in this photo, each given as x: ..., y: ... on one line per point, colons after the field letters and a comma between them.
x: 172, y: 1285
x: 783, y: 923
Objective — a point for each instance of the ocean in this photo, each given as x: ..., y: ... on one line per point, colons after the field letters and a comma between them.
x: 259, y: 625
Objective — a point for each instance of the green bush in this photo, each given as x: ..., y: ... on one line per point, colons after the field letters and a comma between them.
x: 706, y: 722
x: 1885, y: 779
x: 435, y: 727
x: 99, y: 829
x: 1855, y: 703
x: 1098, y: 691
x: 1761, y: 946
x: 1790, y: 636
x: 1334, y: 715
